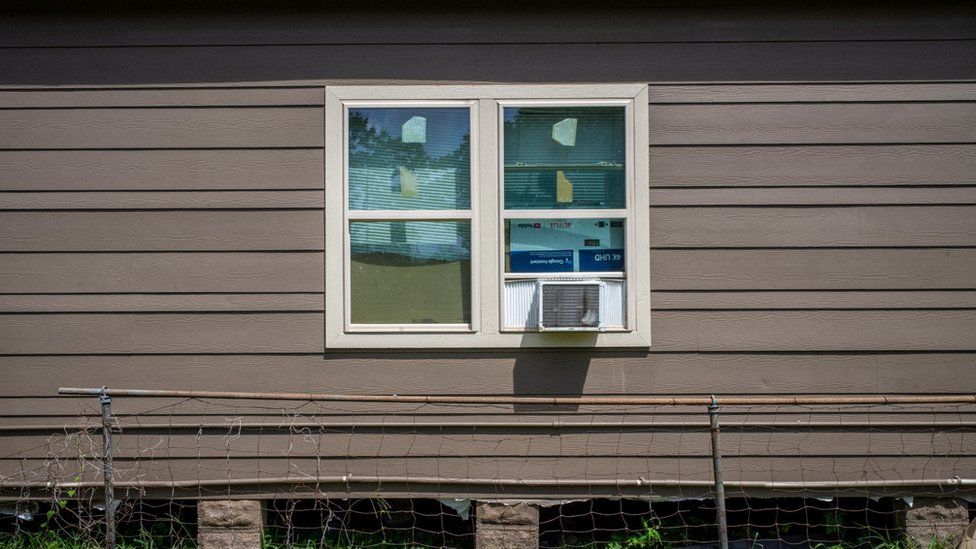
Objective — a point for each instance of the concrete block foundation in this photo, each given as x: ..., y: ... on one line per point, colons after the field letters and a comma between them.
x: 505, y: 525
x: 228, y: 524
x: 929, y: 519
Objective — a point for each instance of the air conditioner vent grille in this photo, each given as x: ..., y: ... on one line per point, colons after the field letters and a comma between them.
x: 570, y: 305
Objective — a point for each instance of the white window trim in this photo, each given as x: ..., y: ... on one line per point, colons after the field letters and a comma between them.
x: 487, y: 264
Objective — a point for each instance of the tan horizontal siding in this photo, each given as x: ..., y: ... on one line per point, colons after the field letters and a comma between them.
x: 686, y: 468
x: 433, y: 372
x: 219, y: 419
x: 704, y: 124
x: 161, y: 272
x: 162, y: 200
x: 141, y: 170
x: 161, y: 231
x: 827, y: 330
x: 127, y: 303
x: 811, y: 300
x: 448, y: 442
x: 792, y: 196
x: 447, y: 467
x: 672, y: 331
x: 919, y: 226
x: 161, y: 128
x: 813, y: 227
x: 813, y: 269
x: 812, y: 165
x: 162, y: 333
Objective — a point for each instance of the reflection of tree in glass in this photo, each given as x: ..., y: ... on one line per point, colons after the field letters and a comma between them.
x: 460, y: 157
x: 374, y: 148
x: 368, y: 145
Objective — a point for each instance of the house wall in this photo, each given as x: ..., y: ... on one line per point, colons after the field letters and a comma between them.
x: 814, y: 231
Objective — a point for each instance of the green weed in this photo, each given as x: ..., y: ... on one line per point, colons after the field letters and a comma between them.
x: 51, y: 539
x: 649, y: 538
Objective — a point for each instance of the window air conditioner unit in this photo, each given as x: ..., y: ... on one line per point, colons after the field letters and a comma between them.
x: 570, y: 306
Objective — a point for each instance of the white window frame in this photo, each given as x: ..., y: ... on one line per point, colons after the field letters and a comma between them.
x: 413, y: 215
x: 487, y: 249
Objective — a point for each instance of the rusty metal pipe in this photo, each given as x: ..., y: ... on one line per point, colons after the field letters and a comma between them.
x: 543, y: 483
x: 538, y: 400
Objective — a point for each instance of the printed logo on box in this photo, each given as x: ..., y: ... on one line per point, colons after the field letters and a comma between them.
x: 601, y: 260
x: 541, y: 261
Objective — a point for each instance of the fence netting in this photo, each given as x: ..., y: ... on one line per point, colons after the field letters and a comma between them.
x: 337, y: 474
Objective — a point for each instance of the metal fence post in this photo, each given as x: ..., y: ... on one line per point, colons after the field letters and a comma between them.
x: 108, y: 471
x: 723, y: 532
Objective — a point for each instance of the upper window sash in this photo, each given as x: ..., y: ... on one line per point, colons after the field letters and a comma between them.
x: 565, y: 155
x: 416, y: 157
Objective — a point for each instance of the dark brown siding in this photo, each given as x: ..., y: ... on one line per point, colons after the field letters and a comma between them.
x: 813, y: 237
x: 803, y: 42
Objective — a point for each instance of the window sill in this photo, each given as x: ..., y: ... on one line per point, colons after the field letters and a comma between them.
x: 497, y: 340
x: 409, y: 328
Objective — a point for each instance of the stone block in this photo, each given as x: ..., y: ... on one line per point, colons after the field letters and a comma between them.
x: 506, y: 537
x: 230, y: 514
x: 227, y: 524
x: 507, y: 513
x: 229, y: 539
x: 936, y: 519
x: 506, y: 525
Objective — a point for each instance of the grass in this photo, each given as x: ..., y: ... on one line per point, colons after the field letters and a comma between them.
x: 888, y: 541
x: 355, y: 541
x: 60, y: 539
x: 53, y: 539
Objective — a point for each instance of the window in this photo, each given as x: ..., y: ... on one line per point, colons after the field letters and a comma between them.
x: 408, y: 217
x: 487, y: 216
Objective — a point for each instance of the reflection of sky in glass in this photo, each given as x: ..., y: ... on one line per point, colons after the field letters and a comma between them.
x: 424, y: 240
x: 386, y: 173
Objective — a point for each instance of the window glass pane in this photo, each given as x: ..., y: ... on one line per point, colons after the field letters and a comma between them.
x: 411, y: 272
x: 409, y: 159
x: 570, y: 157
x: 564, y: 245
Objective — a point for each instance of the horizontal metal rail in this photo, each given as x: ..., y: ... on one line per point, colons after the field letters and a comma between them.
x: 530, y: 483
x: 880, y: 400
